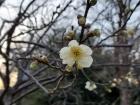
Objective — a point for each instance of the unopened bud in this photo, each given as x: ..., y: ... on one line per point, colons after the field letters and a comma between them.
x: 92, y: 2
x: 41, y: 59
x: 113, y: 85
x: 114, y: 80
x: 108, y: 89
x: 130, y: 32
x: 71, y: 34
x: 123, y: 33
x: 81, y: 20
x: 95, y: 32
x: 87, y: 26
x: 44, y: 59
x: 67, y: 38
x: 68, y: 68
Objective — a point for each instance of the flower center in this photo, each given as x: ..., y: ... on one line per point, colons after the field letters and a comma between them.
x: 76, y: 52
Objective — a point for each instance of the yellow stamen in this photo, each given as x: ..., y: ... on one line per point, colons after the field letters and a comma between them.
x: 76, y: 52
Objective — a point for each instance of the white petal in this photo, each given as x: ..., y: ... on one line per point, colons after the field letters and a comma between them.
x: 69, y: 61
x: 94, y: 86
x: 85, y: 61
x: 87, y: 50
x: 90, y: 88
x: 86, y: 87
x: 87, y: 84
x: 64, y: 52
x: 73, y: 43
x: 65, y: 56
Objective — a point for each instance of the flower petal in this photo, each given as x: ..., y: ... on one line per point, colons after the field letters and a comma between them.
x: 69, y: 61
x: 90, y: 88
x: 73, y: 43
x: 86, y: 50
x: 94, y: 86
x: 87, y: 84
x: 85, y: 61
x: 64, y: 52
x: 65, y: 56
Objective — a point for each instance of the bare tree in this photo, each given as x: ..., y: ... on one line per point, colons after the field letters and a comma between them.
x: 30, y: 43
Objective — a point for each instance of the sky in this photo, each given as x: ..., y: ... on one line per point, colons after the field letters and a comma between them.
x: 8, y: 12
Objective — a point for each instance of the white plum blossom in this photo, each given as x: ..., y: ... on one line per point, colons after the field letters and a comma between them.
x: 76, y: 54
x: 90, y: 86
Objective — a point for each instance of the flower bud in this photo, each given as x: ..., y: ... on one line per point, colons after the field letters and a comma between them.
x: 92, y: 2
x: 68, y: 68
x: 113, y: 85
x: 93, y: 33
x: 123, y: 33
x: 71, y: 34
x: 130, y: 32
x: 81, y: 20
x: 108, y: 89
x: 87, y: 26
x: 41, y: 59
x: 67, y: 38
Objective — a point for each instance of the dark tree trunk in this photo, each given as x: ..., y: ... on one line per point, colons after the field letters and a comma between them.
x: 1, y: 102
x: 126, y: 97
x: 121, y: 56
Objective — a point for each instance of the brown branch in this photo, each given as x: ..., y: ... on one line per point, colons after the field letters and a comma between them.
x: 85, y: 15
